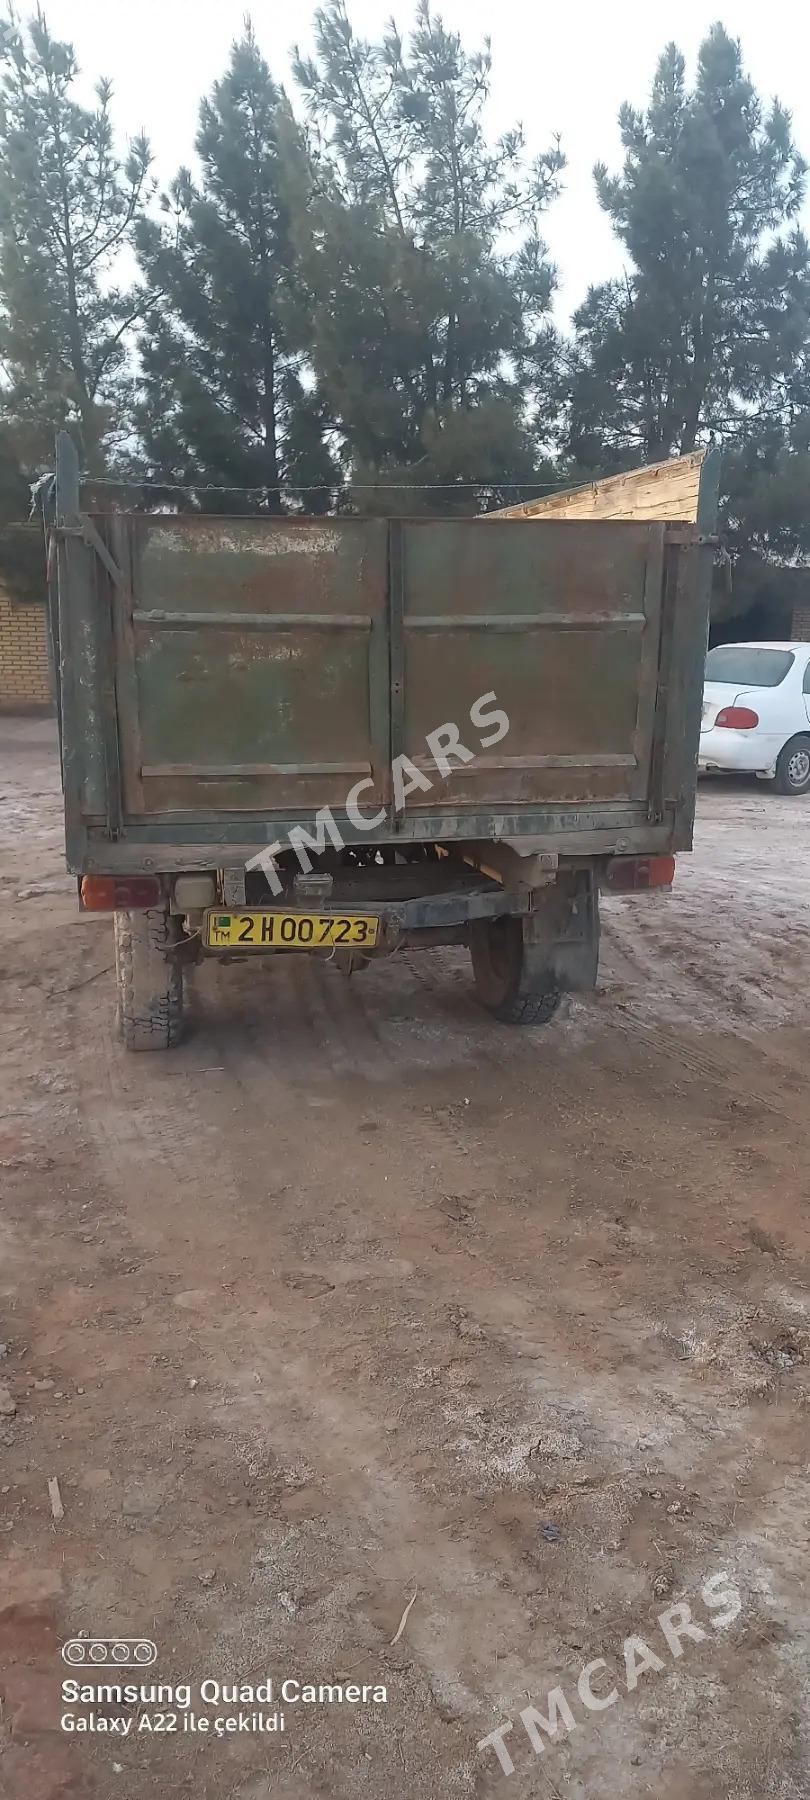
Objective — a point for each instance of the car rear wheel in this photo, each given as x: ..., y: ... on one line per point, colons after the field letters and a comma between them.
x: 793, y: 767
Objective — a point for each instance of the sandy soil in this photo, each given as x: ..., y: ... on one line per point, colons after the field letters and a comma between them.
x: 359, y: 1295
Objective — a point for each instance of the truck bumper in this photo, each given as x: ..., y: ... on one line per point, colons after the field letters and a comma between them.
x: 436, y: 911
x: 431, y: 913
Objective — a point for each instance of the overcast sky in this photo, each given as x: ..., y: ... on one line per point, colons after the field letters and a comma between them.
x: 558, y: 67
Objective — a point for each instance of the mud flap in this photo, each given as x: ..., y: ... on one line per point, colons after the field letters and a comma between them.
x: 565, y: 923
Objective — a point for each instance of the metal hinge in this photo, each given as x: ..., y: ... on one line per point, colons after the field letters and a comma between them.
x: 686, y: 534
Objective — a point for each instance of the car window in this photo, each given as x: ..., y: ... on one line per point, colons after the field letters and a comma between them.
x: 746, y: 665
x: 806, y: 682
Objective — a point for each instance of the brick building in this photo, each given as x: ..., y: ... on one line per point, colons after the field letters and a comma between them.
x: 25, y: 669
x: 800, y: 624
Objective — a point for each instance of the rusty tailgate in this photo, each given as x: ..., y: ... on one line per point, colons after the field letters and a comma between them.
x: 223, y: 680
x: 252, y: 662
x: 563, y: 622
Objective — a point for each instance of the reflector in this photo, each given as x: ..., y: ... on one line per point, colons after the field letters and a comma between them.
x: 124, y: 893
x: 630, y: 874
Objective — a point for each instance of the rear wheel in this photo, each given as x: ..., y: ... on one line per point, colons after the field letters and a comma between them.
x: 512, y: 978
x: 793, y: 767
x: 149, y: 980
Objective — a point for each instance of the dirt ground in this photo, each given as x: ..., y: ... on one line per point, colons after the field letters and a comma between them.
x: 359, y: 1296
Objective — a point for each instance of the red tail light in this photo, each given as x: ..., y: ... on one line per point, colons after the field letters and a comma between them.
x: 738, y: 718
x: 630, y: 874
x: 124, y: 893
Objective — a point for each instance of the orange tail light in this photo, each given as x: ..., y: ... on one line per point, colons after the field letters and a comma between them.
x: 114, y: 893
x: 632, y: 874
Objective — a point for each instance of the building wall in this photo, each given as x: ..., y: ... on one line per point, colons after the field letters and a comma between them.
x: 25, y: 674
x: 800, y: 631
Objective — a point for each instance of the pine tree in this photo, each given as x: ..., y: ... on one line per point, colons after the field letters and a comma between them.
x: 419, y: 240
x: 67, y: 208
x: 705, y: 329
x: 22, y: 545
x: 225, y: 396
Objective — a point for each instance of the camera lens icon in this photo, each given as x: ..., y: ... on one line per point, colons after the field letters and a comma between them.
x: 97, y: 1652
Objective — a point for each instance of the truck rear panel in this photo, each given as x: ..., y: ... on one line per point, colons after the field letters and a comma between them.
x: 223, y: 679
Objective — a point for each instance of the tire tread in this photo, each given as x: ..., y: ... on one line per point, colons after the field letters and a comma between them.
x: 530, y: 1009
x: 149, y: 981
x: 527, y: 993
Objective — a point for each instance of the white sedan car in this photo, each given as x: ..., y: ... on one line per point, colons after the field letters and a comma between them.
x: 756, y: 713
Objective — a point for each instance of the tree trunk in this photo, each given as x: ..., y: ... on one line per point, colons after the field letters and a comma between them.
x: 450, y: 358
x: 690, y: 430
x: 269, y: 398
x: 691, y: 413
x: 269, y: 424
x: 91, y: 439
x: 91, y: 443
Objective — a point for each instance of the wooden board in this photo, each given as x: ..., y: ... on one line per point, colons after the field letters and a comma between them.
x: 666, y: 490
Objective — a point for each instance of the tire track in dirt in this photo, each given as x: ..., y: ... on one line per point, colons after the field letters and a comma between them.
x: 461, y: 1334
x: 403, y: 1531
x: 747, y: 1055
x: 504, y: 1294
x: 609, y: 1028
x: 324, y: 1407
x: 356, y: 1045
x: 379, y: 1523
x: 380, y: 1520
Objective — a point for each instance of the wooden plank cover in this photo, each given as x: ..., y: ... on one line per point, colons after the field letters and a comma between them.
x: 666, y: 490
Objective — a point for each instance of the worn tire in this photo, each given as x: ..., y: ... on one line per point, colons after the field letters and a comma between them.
x: 795, y: 757
x: 150, y: 981
x: 512, y: 978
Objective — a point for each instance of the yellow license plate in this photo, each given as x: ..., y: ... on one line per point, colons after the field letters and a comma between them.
x: 266, y: 929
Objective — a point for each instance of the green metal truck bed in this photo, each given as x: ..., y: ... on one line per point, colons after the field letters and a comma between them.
x: 222, y: 679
